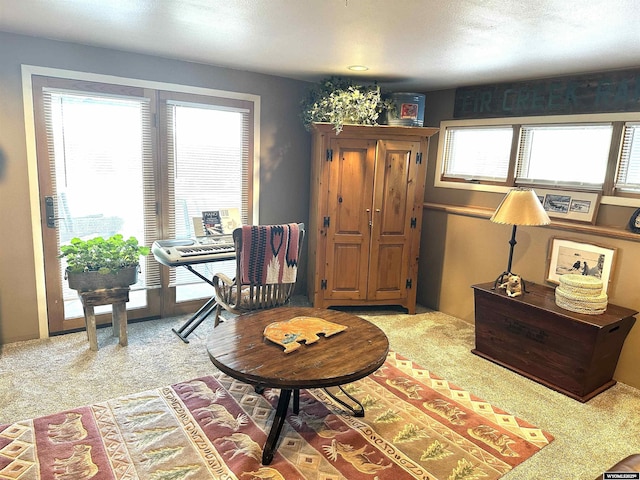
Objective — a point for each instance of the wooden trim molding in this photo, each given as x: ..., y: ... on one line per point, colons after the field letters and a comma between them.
x: 482, y: 212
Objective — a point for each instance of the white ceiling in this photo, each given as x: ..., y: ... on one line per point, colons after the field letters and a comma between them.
x: 408, y: 45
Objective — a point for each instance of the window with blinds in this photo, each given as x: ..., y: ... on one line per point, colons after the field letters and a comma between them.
x: 573, y: 156
x: 628, y: 174
x: 477, y: 153
x: 596, y: 153
x: 208, y: 148
x: 102, y: 166
x: 145, y: 163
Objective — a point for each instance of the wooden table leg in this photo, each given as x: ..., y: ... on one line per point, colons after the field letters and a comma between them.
x: 296, y: 401
x: 90, y: 318
x: 117, y: 298
x: 120, y: 322
x: 278, y: 420
x: 115, y: 322
x: 86, y: 323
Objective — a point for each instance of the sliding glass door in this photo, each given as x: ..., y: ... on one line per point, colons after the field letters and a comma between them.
x: 144, y: 163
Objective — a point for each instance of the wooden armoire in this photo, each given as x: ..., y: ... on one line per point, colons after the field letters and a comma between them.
x: 367, y: 189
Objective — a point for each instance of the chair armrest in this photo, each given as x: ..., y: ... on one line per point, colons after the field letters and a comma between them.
x: 224, y: 289
x: 221, y: 278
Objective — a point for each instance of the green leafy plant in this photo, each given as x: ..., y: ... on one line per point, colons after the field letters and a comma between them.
x: 338, y: 101
x: 102, y: 255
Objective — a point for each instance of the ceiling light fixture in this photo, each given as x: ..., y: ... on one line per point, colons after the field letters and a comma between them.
x: 358, y: 68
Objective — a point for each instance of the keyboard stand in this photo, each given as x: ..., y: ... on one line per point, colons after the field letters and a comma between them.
x: 161, y: 252
x: 197, y: 318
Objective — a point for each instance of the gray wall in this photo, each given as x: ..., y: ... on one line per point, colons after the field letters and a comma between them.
x: 284, y: 152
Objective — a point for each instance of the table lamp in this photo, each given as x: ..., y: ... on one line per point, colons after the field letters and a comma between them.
x: 521, y: 206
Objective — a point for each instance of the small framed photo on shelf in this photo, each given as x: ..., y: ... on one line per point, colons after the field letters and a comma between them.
x: 579, y: 258
x: 634, y: 222
x: 564, y: 205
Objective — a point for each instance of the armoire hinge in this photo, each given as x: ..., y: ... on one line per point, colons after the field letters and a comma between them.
x: 419, y: 157
x: 414, y: 222
x: 408, y: 283
x: 329, y: 155
x: 327, y: 221
x: 323, y: 284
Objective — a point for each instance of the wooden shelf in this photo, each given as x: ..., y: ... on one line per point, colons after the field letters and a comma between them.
x: 480, y: 212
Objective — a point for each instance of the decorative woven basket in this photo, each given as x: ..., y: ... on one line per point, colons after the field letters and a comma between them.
x: 586, y: 282
x: 580, y: 307
x: 581, y: 294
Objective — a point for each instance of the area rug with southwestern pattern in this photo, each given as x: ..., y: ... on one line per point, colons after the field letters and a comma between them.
x: 417, y: 425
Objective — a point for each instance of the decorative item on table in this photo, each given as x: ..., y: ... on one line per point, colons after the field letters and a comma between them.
x: 581, y: 294
x: 521, y: 206
x: 407, y: 109
x: 99, y: 263
x: 288, y: 334
x: 513, y: 286
x: 568, y: 256
x: 341, y: 101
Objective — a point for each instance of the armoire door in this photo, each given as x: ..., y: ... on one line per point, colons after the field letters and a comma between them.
x: 396, y: 178
x: 350, y: 199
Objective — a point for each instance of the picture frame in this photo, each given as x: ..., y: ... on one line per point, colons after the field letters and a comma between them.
x: 634, y: 222
x: 567, y: 205
x: 580, y: 258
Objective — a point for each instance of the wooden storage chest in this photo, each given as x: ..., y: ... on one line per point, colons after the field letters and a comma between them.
x: 573, y: 353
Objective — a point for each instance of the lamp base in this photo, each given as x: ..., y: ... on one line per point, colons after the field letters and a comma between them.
x: 502, y: 279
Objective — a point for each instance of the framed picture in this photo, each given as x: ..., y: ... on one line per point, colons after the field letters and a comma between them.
x: 576, y: 206
x: 634, y: 222
x: 571, y: 256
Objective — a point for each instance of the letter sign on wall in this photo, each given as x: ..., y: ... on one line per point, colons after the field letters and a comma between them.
x: 617, y: 91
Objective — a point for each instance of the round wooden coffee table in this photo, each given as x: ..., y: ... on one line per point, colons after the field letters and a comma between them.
x: 239, y: 349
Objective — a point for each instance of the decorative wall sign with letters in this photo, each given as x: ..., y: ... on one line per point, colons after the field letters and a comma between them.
x: 616, y: 91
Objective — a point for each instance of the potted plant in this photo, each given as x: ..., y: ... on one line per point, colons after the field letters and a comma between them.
x: 100, y: 263
x: 339, y: 101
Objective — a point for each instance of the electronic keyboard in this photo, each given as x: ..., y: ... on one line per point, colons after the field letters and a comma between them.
x: 189, y: 251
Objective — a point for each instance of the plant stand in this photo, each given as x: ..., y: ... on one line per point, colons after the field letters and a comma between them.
x: 118, y: 298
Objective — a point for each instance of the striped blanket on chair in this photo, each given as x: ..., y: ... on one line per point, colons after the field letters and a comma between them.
x: 269, y: 254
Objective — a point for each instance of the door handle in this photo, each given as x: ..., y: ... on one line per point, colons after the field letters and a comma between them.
x: 50, y: 212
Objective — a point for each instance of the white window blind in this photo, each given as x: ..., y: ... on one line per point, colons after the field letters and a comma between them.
x: 564, y: 155
x: 102, y: 169
x: 477, y: 153
x: 208, y: 155
x: 628, y: 175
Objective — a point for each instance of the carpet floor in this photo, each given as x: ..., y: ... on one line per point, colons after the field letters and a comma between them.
x: 417, y: 425
x: 42, y: 377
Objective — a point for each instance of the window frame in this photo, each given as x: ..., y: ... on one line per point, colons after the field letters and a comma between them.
x: 622, y: 158
x: 475, y: 179
x: 27, y: 74
x: 523, y: 159
x: 609, y: 194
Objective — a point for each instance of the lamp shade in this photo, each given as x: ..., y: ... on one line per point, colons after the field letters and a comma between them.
x: 521, y: 206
